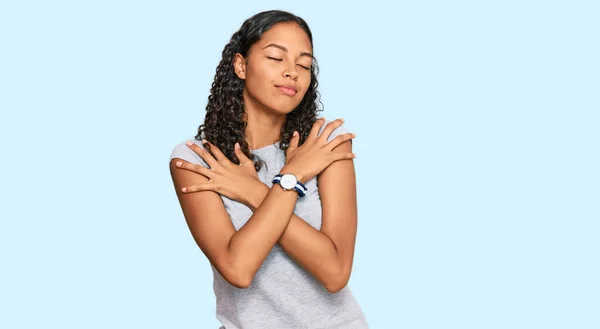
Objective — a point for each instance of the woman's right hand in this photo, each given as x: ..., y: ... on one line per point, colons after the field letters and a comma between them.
x: 312, y: 157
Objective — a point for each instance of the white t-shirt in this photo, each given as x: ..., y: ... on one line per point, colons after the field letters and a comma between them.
x: 282, y: 294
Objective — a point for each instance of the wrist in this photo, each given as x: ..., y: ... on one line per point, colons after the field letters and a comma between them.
x: 257, y: 194
x: 299, y: 174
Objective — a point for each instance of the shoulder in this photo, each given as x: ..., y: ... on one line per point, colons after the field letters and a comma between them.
x: 337, y: 131
x: 182, y: 151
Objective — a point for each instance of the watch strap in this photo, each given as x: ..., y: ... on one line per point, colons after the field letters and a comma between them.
x: 299, y: 187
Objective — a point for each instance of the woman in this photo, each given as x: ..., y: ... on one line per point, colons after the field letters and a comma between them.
x: 281, y: 247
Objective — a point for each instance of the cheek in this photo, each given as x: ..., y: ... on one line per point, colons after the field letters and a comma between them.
x: 258, y: 82
x: 305, y: 85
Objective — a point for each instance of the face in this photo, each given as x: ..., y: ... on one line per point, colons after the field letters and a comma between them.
x: 277, y: 69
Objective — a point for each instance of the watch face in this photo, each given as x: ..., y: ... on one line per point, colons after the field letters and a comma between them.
x: 288, y: 181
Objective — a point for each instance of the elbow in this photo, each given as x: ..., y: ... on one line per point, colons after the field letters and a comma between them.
x: 333, y: 288
x: 337, y: 283
x: 238, y: 277
x: 240, y: 284
x: 238, y: 280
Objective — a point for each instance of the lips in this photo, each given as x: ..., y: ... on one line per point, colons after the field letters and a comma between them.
x: 288, y: 90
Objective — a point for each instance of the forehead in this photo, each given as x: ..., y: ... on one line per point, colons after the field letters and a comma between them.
x: 287, y: 34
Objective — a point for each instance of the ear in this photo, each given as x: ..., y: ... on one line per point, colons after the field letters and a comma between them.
x: 239, y: 66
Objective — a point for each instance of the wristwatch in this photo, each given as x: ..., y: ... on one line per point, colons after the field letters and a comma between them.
x: 289, y: 182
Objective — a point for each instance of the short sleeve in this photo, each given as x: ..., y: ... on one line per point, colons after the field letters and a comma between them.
x: 182, y: 151
x: 337, y: 131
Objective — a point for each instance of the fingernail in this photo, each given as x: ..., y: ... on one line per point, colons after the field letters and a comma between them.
x: 178, y: 163
x: 342, y: 119
x: 189, y: 143
x: 184, y: 189
x: 237, y: 145
x: 353, y: 134
x: 295, y: 133
x: 203, y: 141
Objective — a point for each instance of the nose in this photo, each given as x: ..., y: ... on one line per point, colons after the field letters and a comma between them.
x: 291, y: 73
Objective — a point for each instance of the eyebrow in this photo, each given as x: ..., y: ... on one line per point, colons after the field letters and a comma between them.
x: 285, y: 49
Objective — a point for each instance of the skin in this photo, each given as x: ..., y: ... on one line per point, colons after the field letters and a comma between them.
x: 328, y: 253
x: 266, y: 66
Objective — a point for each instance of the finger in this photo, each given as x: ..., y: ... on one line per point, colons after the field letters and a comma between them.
x: 241, y: 155
x: 294, y: 141
x: 203, y: 153
x: 343, y: 156
x: 195, y: 168
x: 330, y: 128
x: 314, y: 131
x: 199, y: 188
x: 340, y: 139
x: 217, y: 152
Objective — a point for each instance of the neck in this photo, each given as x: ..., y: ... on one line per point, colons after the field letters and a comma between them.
x: 264, y: 126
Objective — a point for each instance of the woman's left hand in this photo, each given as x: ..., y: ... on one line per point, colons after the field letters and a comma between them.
x: 237, y: 182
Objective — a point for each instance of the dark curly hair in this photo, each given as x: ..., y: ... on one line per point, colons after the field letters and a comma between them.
x: 225, y: 121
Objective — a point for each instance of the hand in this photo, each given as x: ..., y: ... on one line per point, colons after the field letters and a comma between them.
x: 315, y: 154
x: 236, y: 182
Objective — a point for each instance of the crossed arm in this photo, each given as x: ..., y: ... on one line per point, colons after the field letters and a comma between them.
x: 326, y: 254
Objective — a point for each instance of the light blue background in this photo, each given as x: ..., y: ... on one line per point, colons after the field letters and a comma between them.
x: 477, y: 140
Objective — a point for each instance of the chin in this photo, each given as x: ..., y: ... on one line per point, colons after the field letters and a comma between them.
x: 283, y: 111
x: 284, y: 108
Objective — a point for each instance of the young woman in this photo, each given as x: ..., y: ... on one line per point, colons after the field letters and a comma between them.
x: 268, y: 190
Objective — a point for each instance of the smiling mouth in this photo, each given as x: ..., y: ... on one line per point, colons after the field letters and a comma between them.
x: 286, y: 90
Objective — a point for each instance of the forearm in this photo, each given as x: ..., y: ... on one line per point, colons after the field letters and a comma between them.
x: 313, y: 250
x: 307, y: 246
x: 251, y: 244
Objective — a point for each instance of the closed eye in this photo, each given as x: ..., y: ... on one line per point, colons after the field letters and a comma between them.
x: 280, y: 60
